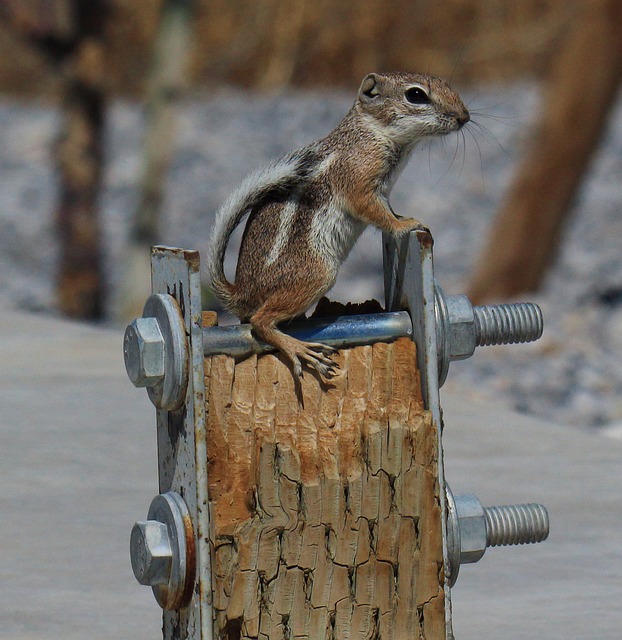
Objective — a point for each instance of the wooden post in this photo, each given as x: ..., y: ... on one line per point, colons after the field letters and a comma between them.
x: 326, y: 520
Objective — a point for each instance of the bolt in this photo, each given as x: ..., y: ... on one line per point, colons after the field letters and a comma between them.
x: 151, y: 553
x: 472, y: 528
x: 162, y: 551
x: 143, y: 351
x: 508, y: 323
x: 461, y: 327
x: 516, y: 524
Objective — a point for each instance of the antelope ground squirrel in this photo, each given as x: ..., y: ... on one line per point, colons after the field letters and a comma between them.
x: 307, y: 209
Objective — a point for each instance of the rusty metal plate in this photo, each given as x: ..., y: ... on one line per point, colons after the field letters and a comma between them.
x: 182, y: 459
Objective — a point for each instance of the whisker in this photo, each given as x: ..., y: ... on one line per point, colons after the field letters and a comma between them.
x: 444, y: 143
x: 501, y: 103
x: 497, y: 118
x: 479, y: 150
x: 430, y: 159
x: 460, y: 151
x: 488, y: 134
x: 472, y: 98
x: 486, y: 114
x: 457, y: 153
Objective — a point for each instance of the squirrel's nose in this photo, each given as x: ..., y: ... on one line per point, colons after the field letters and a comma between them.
x: 463, y: 118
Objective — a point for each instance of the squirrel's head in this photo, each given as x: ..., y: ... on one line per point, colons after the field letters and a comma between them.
x: 406, y: 107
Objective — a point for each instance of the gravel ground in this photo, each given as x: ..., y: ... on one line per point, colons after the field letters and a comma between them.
x: 573, y: 375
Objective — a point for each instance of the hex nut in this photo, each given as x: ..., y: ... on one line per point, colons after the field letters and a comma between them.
x: 151, y: 553
x: 143, y: 351
x: 461, y: 327
x: 162, y: 551
x: 472, y: 522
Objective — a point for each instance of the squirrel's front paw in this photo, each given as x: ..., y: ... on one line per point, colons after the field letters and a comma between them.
x: 406, y: 225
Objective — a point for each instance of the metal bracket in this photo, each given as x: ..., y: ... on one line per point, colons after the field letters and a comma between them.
x: 182, y: 455
x: 409, y: 285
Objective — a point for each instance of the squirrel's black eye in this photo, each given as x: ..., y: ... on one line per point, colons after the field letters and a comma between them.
x: 416, y: 95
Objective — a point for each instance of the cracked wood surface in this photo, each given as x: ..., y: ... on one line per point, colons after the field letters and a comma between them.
x: 326, y: 520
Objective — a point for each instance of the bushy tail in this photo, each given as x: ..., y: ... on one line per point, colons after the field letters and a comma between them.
x: 257, y: 189
x: 228, y: 218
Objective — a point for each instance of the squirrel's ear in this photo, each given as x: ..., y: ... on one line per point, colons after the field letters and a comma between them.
x: 369, y: 88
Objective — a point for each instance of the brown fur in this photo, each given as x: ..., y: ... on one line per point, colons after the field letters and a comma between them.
x: 334, y: 188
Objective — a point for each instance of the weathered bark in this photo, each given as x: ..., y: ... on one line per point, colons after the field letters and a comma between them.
x: 583, y: 86
x: 79, y: 156
x: 326, y: 519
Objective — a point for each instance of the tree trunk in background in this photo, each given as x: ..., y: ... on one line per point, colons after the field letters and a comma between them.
x: 167, y: 82
x: 583, y: 86
x: 79, y: 160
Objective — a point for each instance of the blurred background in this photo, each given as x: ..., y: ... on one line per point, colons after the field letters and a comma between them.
x: 272, y: 43
x: 126, y: 124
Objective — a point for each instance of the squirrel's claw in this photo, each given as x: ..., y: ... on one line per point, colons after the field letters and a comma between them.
x: 318, y: 347
x: 315, y: 355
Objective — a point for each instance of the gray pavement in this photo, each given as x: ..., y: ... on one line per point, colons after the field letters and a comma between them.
x: 78, y: 467
x: 568, y: 587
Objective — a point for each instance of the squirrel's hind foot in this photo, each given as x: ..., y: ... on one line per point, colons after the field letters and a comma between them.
x: 296, y: 352
x: 314, y: 355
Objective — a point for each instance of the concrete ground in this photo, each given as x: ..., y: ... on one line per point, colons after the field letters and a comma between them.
x: 78, y: 467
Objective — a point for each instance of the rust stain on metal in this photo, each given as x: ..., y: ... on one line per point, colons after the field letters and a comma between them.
x: 425, y: 239
x: 193, y: 261
x: 176, y: 272
x: 191, y: 560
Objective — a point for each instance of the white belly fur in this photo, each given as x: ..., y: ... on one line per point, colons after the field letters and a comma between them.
x: 333, y: 234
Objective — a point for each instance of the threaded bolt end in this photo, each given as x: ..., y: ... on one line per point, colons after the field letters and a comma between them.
x: 508, y: 323
x: 516, y: 524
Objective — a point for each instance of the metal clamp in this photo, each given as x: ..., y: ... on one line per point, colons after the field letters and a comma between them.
x: 156, y: 353
x: 162, y: 550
